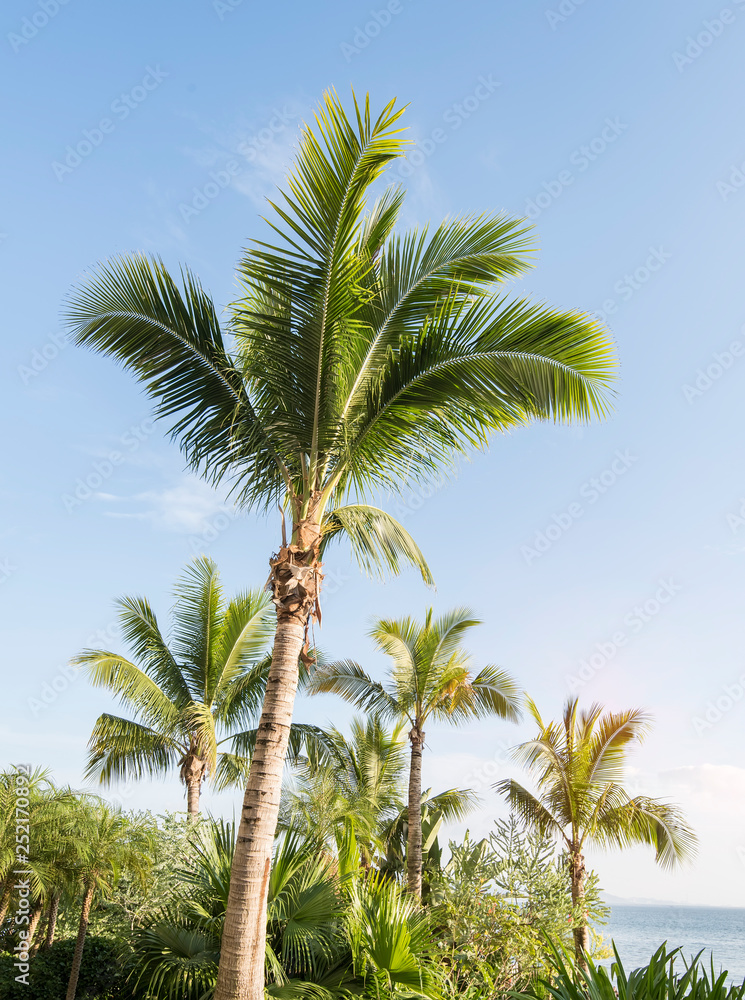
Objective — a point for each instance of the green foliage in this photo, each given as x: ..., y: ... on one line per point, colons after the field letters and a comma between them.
x: 189, y: 695
x: 101, y: 974
x: 326, y: 934
x: 660, y: 979
x: 430, y: 675
x: 360, y: 358
x: 493, y: 903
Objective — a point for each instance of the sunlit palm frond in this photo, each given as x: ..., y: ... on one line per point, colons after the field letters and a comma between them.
x: 378, y: 541
x: 120, y: 749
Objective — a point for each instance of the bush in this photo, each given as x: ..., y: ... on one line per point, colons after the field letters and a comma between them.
x: 663, y: 978
x: 101, y: 975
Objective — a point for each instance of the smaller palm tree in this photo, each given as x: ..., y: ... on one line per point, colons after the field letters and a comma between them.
x: 106, y: 843
x: 356, y: 794
x: 207, y: 683
x: 578, y: 765
x: 431, y: 678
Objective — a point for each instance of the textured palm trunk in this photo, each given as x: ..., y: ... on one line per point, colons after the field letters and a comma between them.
x: 241, y: 973
x: 193, y: 789
x: 36, y: 929
x: 77, y: 957
x: 52, y: 924
x: 581, y: 932
x: 414, y: 840
x: 5, y: 901
x: 294, y: 582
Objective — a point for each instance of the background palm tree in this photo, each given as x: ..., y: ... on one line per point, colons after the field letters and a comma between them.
x: 106, y: 843
x: 578, y: 765
x: 207, y: 682
x: 430, y: 678
x: 362, y: 360
x: 356, y: 793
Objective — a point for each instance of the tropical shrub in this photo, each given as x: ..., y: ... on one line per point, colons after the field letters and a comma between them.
x: 101, y: 973
x: 662, y: 978
x: 494, y: 902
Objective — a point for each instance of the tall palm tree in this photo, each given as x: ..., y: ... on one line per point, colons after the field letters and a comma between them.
x: 206, y: 683
x: 107, y: 842
x: 578, y: 765
x: 430, y: 677
x: 359, y: 360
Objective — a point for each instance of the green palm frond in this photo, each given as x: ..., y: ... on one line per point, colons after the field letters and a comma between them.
x: 120, y: 749
x: 141, y: 632
x: 131, y: 684
x: 529, y: 808
x: 247, y: 630
x: 349, y: 680
x: 643, y: 820
x: 197, y: 625
x: 170, y: 338
x: 378, y: 541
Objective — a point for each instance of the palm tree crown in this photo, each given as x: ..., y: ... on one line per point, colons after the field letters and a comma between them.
x: 190, y: 696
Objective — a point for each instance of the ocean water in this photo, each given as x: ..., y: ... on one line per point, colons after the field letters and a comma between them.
x: 639, y: 930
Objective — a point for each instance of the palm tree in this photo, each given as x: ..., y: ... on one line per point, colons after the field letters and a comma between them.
x: 356, y: 787
x: 359, y: 360
x: 107, y: 842
x: 208, y: 682
x: 579, y: 766
x: 356, y: 792
x: 430, y: 678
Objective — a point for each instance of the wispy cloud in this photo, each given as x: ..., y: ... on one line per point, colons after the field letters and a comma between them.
x: 185, y: 508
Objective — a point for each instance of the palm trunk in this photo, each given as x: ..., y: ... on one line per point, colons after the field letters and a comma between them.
x: 33, y: 928
x: 77, y: 957
x: 52, y: 925
x: 193, y: 790
x: 5, y: 901
x: 241, y: 972
x: 414, y: 841
x: 581, y: 933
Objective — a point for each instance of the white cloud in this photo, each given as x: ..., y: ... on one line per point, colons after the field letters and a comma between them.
x: 185, y: 508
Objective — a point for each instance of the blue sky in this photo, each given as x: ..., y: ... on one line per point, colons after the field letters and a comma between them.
x: 607, y: 560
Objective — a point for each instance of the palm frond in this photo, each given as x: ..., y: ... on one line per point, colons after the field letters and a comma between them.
x: 378, y: 541
x: 349, y: 681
